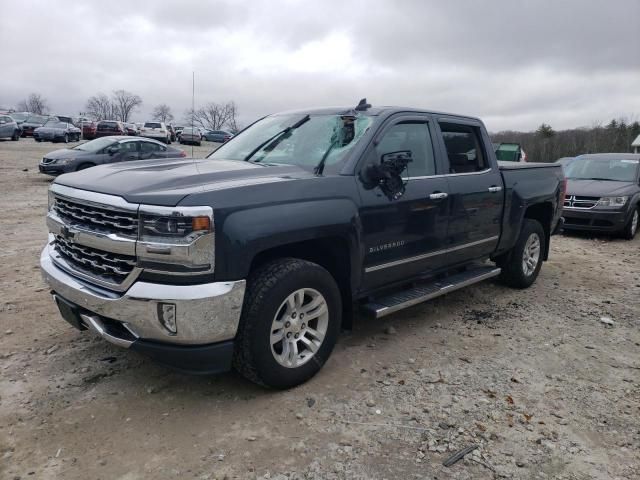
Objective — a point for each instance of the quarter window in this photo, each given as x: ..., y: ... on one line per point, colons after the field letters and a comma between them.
x: 464, y: 148
x: 412, y: 136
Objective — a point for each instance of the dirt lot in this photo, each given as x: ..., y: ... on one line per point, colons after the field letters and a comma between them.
x: 534, y: 378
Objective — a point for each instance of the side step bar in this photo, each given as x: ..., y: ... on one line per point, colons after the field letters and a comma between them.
x: 389, y: 304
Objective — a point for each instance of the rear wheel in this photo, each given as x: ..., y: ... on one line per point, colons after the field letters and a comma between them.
x: 289, y: 324
x: 631, y: 228
x: 521, y: 266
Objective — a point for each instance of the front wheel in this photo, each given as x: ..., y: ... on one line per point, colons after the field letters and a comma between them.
x: 16, y: 136
x: 66, y: 138
x: 522, y: 265
x: 289, y: 324
x: 631, y: 228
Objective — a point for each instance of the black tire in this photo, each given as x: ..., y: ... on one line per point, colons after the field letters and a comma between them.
x: 66, y: 138
x: 199, y: 144
x: 513, y: 269
x: 16, y: 136
x: 84, y: 166
x: 630, y: 229
x: 267, y: 289
x: 38, y: 139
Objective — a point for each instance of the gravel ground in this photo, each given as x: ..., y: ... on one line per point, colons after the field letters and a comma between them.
x: 533, y: 378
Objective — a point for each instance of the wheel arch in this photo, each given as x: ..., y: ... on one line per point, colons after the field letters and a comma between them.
x: 543, y: 213
x: 333, y: 253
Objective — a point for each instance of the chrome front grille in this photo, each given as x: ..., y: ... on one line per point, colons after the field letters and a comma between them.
x: 90, y: 261
x: 576, y: 201
x: 95, y: 218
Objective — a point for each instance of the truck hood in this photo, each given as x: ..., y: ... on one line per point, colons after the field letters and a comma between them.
x: 167, y: 181
x: 599, y: 188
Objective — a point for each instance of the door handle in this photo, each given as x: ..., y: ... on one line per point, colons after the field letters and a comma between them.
x: 495, y: 189
x: 438, y: 195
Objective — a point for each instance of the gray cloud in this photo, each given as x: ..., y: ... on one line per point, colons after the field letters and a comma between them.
x: 514, y: 63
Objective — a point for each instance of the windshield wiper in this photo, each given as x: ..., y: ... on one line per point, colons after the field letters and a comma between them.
x: 320, y: 167
x: 278, y: 137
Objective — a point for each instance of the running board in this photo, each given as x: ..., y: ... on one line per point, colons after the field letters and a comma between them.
x: 389, y: 304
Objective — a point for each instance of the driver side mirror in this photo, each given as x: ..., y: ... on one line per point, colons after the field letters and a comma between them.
x: 388, y: 173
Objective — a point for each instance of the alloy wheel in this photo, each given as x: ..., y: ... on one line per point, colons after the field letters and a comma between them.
x: 299, y: 327
x: 531, y: 254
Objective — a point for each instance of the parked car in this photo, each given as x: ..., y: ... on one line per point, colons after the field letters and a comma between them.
x: 9, y: 128
x: 157, y: 131
x: 131, y: 129
x: 219, y: 136
x: 32, y: 122
x: 254, y: 256
x: 510, y: 152
x: 105, y: 150
x: 191, y: 136
x: 57, y: 132
x: 19, y: 117
x: 108, y: 128
x: 178, y: 132
x: 603, y: 193
x: 89, y: 130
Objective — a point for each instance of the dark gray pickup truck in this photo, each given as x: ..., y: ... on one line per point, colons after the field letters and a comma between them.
x: 254, y: 257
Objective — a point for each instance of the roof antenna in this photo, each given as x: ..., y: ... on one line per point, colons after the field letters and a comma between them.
x: 363, y: 105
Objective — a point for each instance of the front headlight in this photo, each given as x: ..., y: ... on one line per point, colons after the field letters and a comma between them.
x: 178, y: 240
x: 173, y: 229
x: 51, y: 200
x: 612, y: 201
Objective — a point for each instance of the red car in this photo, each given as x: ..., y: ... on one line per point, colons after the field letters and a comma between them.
x: 107, y: 128
x: 89, y: 130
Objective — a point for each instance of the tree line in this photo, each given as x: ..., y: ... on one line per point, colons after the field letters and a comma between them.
x: 122, y: 104
x: 547, y: 144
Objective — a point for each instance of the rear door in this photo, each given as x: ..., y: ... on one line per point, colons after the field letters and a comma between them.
x: 406, y: 236
x: 150, y: 150
x: 475, y: 188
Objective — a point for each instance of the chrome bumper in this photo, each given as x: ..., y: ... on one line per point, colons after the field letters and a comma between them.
x: 205, y: 313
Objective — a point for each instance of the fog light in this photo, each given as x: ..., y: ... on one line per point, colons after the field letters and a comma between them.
x: 167, y: 317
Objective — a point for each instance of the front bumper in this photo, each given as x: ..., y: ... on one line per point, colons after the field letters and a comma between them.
x: 594, y: 220
x: 51, y: 169
x: 206, y: 316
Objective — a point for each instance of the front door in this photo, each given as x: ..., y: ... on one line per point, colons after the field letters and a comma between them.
x: 476, y: 193
x: 403, y: 237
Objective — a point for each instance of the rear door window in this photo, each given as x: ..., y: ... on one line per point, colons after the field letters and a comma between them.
x: 150, y: 147
x: 464, y: 148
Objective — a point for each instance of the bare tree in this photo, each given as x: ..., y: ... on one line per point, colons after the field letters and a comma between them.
x: 214, y: 116
x: 35, y: 103
x: 162, y: 113
x: 100, y: 107
x: 124, y: 104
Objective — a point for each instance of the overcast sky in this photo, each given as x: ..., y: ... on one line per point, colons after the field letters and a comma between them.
x: 513, y: 63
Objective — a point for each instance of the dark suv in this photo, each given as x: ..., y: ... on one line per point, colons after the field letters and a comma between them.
x: 603, y: 193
